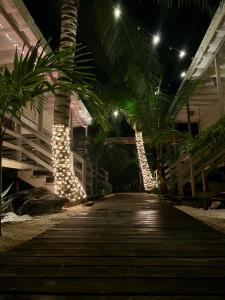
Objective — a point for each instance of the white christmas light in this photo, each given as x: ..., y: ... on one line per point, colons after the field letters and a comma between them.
x: 148, y: 180
x: 156, y: 39
x: 117, y: 12
x: 116, y: 113
x: 66, y: 183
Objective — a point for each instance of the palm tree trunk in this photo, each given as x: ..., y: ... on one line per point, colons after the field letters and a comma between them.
x: 148, y: 180
x: 66, y: 183
x: 67, y: 39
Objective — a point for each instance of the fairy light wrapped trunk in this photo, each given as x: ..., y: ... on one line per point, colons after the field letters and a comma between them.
x: 66, y: 183
x: 148, y: 180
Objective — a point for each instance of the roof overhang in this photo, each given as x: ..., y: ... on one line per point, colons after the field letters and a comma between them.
x: 204, y: 101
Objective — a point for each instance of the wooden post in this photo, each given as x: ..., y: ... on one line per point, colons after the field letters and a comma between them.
x: 40, y: 120
x: 219, y: 88
x: 179, y: 179
x: 192, y: 176
x: 18, y: 142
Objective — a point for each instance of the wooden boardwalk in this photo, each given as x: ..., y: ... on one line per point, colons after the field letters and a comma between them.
x: 126, y: 247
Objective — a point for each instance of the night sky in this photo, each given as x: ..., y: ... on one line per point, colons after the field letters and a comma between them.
x: 181, y: 28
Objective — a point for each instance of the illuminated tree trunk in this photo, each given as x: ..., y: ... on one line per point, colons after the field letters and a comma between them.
x: 148, y: 180
x: 66, y: 183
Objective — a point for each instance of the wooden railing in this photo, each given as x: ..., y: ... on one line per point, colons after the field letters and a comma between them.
x: 180, y: 172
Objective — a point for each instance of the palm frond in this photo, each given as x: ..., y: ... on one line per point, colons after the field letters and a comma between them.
x: 181, y: 99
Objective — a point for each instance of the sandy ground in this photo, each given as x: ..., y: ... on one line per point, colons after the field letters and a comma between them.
x: 22, y: 229
x: 212, y: 217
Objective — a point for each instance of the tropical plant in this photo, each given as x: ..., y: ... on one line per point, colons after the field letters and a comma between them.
x: 27, y: 84
x: 5, y: 202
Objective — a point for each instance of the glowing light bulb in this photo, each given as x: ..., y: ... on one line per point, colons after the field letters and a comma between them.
x: 156, y: 40
x: 183, y: 74
x: 117, y: 12
x: 116, y: 113
x: 182, y: 53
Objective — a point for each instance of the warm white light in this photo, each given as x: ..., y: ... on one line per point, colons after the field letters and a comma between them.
x: 156, y: 39
x: 116, y: 113
x: 182, y: 54
x: 117, y: 12
x: 183, y: 74
x: 148, y: 180
x: 66, y: 183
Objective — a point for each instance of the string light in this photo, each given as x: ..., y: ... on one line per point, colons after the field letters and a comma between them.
x: 66, y: 183
x: 117, y: 12
x: 183, y: 74
x: 182, y: 54
x: 148, y: 180
x: 156, y: 39
x: 116, y: 113
x: 12, y: 40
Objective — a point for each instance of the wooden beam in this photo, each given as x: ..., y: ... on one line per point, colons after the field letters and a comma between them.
x: 219, y: 88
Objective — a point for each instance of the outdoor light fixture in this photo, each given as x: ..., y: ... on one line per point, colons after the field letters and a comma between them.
x: 156, y: 39
x: 183, y: 74
x: 116, y: 113
x: 66, y: 183
x: 117, y: 12
x: 182, y: 53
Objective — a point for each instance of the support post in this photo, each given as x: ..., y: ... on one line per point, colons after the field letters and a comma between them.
x: 219, y: 88
x: 179, y: 179
x: 192, y: 176
x: 40, y: 120
x: 18, y: 143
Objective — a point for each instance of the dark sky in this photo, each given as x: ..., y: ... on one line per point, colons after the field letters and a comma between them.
x: 181, y: 28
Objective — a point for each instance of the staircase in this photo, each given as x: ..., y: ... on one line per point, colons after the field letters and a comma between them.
x: 29, y: 151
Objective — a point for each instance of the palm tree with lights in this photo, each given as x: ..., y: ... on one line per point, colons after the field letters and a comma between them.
x: 27, y: 84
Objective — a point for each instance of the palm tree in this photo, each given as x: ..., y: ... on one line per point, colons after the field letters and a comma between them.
x: 27, y: 84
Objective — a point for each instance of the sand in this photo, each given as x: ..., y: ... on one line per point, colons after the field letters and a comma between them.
x: 212, y: 217
x: 20, y: 229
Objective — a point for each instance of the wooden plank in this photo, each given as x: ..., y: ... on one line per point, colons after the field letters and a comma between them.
x: 113, y: 271
x: 115, y: 286
x: 111, y: 261
x: 108, y: 297
x: 98, y: 251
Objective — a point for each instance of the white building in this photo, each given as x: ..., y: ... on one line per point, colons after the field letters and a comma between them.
x: 27, y: 144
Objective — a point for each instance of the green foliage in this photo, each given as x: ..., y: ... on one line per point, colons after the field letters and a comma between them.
x: 27, y: 82
x: 181, y: 99
x: 5, y: 202
x: 211, y: 139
